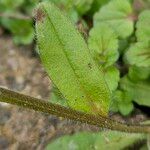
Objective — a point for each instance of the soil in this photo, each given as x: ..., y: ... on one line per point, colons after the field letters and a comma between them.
x: 21, y: 70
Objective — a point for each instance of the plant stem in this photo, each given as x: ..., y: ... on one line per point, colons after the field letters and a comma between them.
x: 60, y: 111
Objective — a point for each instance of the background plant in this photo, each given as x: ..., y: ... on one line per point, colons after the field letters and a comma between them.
x: 118, y: 41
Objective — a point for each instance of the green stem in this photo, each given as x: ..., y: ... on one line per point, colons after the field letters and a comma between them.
x: 60, y: 111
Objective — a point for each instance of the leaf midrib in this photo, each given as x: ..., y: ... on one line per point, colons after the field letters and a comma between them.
x: 86, y: 94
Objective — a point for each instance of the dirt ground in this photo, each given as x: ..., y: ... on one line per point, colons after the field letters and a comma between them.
x: 21, y: 70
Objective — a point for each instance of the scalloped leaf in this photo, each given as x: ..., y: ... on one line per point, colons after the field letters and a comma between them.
x: 96, y: 5
x: 122, y: 102
x: 68, y: 62
x: 112, y: 77
x: 140, y: 90
x: 83, y: 6
x: 118, y: 14
x: 103, y: 45
x: 110, y: 140
x: 138, y: 73
x: 139, y: 54
x: 143, y: 26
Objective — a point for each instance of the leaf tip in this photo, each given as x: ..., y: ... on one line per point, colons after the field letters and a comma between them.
x: 39, y: 14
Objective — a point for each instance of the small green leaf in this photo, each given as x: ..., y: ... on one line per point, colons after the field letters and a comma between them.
x: 6, y: 5
x: 22, y: 30
x: 125, y: 109
x: 83, y: 6
x: 113, y: 140
x: 112, y: 77
x: 110, y: 140
x: 122, y: 102
x: 79, y: 141
x: 139, y: 54
x: 103, y: 45
x: 123, y: 45
x: 143, y: 26
x: 140, y: 90
x: 96, y: 5
x: 29, y: 5
x: 68, y: 62
x: 138, y: 73
x: 118, y: 14
x: 57, y: 97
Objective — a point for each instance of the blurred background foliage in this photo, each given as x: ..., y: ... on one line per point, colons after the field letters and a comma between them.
x: 17, y: 16
x: 118, y: 36
x: 117, y: 33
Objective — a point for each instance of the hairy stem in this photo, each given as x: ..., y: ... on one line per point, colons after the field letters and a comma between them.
x: 60, y: 111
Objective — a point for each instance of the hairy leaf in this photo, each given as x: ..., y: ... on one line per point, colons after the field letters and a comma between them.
x: 103, y: 45
x: 118, y: 14
x: 67, y: 60
x: 139, y: 54
x: 111, y: 140
x: 143, y: 26
x: 140, y: 90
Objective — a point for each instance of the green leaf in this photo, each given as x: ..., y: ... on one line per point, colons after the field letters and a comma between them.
x: 138, y: 73
x: 118, y: 14
x: 68, y: 7
x: 79, y: 141
x: 96, y: 5
x: 139, y: 54
x: 110, y: 140
x: 125, y: 109
x: 122, y: 102
x: 103, y: 45
x: 143, y: 28
x: 140, y: 90
x: 6, y: 5
x: 29, y: 6
x: 22, y: 30
x: 123, y: 45
x: 57, y: 97
x: 67, y: 60
x: 112, y: 77
x: 83, y: 6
